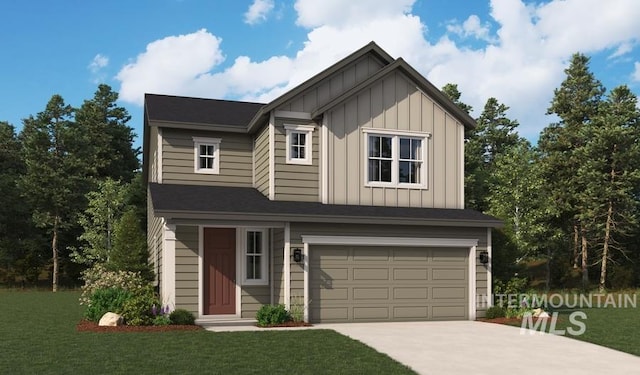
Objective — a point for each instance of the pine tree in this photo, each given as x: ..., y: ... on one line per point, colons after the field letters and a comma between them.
x: 55, y: 179
x: 576, y: 103
x: 105, y: 123
x: 610, y: 173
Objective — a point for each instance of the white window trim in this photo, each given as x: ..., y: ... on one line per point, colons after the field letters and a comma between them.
x: 395, y: 149
x: 264, y: 264
x: 308, y: 154
x: 215, y: 142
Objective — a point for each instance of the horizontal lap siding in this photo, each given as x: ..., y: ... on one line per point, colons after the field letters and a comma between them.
x: 253, y: 297
x: 394, y: 103
x: 261, y: 161
x: 154, y: 240
x: 187, y: 268
x: 295, y: 182
x: 178, y: 157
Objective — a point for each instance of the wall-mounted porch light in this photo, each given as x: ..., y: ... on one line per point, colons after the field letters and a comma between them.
x: 297, y: 255
x: 484, y: 257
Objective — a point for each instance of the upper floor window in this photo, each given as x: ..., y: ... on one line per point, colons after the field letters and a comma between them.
x: 299, y: 144
x: 395, y: 159
x: 207, y: 155
x: 256, y: 257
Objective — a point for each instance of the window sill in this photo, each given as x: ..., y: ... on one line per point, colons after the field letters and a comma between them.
x: 255, y: 282
x: 299, y: 161
x: 207, y: 171
x: 396, y: 186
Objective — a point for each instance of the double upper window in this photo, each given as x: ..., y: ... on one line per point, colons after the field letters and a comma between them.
x: 299, y: 144
x: 207, y: 155
x: 395, y: 159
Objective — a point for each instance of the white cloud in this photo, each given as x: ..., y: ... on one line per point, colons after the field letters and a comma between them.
x: 170, y: 66
x: 528, y: 48
x: 471, y: 27
x: 635, y: 76
x: 96, y: 67
x: 258, y: 11
x: 99, y: 61
x: 622, y: 50
x: 315, y: 13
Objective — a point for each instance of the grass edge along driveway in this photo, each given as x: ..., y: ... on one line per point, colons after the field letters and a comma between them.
x: 39, y: 336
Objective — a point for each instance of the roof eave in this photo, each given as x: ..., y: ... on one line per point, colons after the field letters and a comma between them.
x: 177, y: 215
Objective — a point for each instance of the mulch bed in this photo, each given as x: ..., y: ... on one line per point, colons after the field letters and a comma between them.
x: 289, y: 324
x: 87, y: 326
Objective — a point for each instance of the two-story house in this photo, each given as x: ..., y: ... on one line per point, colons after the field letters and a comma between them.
x: 344, y: 196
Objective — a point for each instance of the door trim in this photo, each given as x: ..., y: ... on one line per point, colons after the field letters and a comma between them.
x: 471, y: 244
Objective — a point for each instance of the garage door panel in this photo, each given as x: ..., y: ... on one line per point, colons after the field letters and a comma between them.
x: 449, y: 312
x: 374, y: 254
x: 327, y: 253
x: 410, y: 274
x: 331, y: 274
x: 370, y: 274
x: 371, y: 313
x: 449, y: 255
x: 384, y: 284
x: 449, y: 274
x: 332, y: 294
x: 410, y: 293
x: 411, y: 255
x: 370, y: 293
x: 411, y: 312
x: 448, y: 292
x: 331, y: 314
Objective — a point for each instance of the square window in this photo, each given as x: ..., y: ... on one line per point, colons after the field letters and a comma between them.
x: 299, y: 143
x: 207, y: 155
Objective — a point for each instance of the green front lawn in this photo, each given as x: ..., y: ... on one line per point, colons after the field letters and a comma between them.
x: 38, y: 336
x: 614, y: 327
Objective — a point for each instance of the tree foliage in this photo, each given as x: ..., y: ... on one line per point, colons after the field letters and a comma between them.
x: 105, y: 207
x: 55, y: 156
x: 105, y: 123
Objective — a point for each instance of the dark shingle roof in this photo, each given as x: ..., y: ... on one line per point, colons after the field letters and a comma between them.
x: 173, y: 198
x: 200, y: 111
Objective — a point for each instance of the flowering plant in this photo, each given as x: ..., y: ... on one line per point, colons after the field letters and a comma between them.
x: 161, y: 315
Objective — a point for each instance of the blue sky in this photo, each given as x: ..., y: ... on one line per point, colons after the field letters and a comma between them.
x: 256, y: 49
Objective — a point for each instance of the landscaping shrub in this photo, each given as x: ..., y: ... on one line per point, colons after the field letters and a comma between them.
x: 106, y: 300
x: 270, y: 315
x: 495, y: 312
x: 138, y: 310
x: 98, y: 277
x: 182, y: 317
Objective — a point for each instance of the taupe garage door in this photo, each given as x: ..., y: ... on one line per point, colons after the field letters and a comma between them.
x: 358, y: 283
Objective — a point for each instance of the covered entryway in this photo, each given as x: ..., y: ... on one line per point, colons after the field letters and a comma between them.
x: 388, y: 283
x: 219, y: 271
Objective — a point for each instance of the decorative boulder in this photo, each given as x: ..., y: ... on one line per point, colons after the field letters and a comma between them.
x: 111, y: 320
x: 539, y: 313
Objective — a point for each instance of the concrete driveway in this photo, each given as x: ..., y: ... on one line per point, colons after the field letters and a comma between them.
x: 484, y: 348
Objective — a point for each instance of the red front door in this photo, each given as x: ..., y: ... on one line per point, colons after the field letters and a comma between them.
x: 219, y: 271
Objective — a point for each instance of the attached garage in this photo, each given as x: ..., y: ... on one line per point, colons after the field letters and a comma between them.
x: 391, y: 280
x: 382, y: 283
